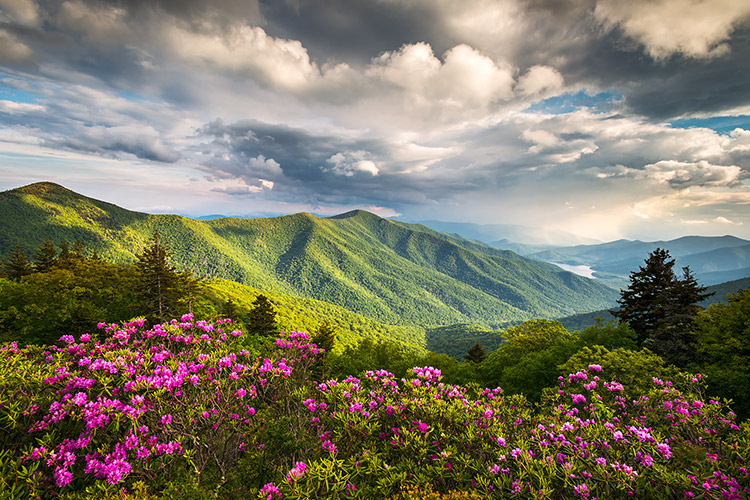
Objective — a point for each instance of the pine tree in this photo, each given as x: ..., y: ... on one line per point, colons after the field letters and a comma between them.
x: 229, y: 310
x: 63, y: 259
x: 262, y: 318
x: 17, y: 266
x: 158, y: 281
x: 325, y: 336
x: 660, y: 308
x: 45, y: 257
x: 476, y: 354
x: 79, y: 250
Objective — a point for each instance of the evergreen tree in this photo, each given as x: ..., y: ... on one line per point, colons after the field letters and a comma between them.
x: 45, y: 257
x: 188, y: 289
x: 660, y: 307
x: 17, y: 266
x: 63, y: 259
x: 476, y: 354
x: 79, y: 250
x: 158, y: 281
x: 325, y: 336
x: 229, y: 310
x: 262, y: 318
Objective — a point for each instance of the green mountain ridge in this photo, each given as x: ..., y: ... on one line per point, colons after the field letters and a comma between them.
x: 393, y: 272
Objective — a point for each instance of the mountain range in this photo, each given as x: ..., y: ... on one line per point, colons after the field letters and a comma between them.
x: 394, y: 272
x: 713, y: 259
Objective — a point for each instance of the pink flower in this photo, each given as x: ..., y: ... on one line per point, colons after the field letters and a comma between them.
x: 297, y: 471
x: 62, y: 476
x: 663, y: 448
x: 581, y: 490
x: 270, y: 491
x: 578, y: 398
x: 329, y: 446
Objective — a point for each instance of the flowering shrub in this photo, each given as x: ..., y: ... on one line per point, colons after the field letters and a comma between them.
x: 180, y: 408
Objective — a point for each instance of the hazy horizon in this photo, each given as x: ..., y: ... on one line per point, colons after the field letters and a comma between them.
x: 599, y: 118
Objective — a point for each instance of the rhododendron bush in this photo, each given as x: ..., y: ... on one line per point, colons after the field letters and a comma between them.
x: 180, y: 410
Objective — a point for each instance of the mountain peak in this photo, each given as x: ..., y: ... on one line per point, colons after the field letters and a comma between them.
x: 356, y: 213
x: 43, y: 188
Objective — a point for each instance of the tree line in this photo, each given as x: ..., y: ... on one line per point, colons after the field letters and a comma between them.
x: 65, y: 289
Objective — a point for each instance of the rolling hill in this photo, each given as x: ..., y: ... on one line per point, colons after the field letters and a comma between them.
x: 393, y: 272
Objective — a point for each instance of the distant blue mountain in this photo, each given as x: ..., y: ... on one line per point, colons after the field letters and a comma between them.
x: 713, y: 259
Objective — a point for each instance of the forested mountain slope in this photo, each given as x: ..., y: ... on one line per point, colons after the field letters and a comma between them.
x: 394, y: 272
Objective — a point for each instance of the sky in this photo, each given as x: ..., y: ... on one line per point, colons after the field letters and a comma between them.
x: 603, y: 118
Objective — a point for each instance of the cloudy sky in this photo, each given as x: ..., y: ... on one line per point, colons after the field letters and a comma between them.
x: 601, y: 117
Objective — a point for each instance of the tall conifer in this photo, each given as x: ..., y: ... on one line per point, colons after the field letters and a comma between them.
x: 262, y: 317
x: 157, y: 280
x: 660, y: 307
x: 45, y: 257
x: 17, y: 266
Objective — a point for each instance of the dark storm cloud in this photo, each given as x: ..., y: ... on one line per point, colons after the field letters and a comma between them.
x: 141, y: 142
x: 325, y: 168
x: 681, y: 87
x: 199, y: 13
x: 244, y: 150
x: 354, y: 31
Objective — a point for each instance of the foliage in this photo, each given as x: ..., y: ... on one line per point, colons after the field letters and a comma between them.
x: 455, y: 340
x: 43, y: 306
x: 159, y: 285
x: 723, y: 341
x: 325, y: 336
x: 536, y: 335
x: 476, y: 354
x: 262, y: 318
x: 609, y: 334
x: 71, y: 296
x: 176, y: 411
x: 45, y: 258
x: 310, y: 315
x: 635, y: 370
x: 17, y: 266
x: 527, y: 362
x: 660, y: 307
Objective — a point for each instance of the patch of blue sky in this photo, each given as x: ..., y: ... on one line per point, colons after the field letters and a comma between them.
x: 8, y: 93
x: 569, y: 102
x: 132, y: 96
x: 721, y: 124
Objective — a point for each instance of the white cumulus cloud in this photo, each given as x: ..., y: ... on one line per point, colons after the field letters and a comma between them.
x: 665, y: 27
x: 351, y: 162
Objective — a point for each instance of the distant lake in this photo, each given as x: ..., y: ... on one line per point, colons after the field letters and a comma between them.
x: 584, y: 271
